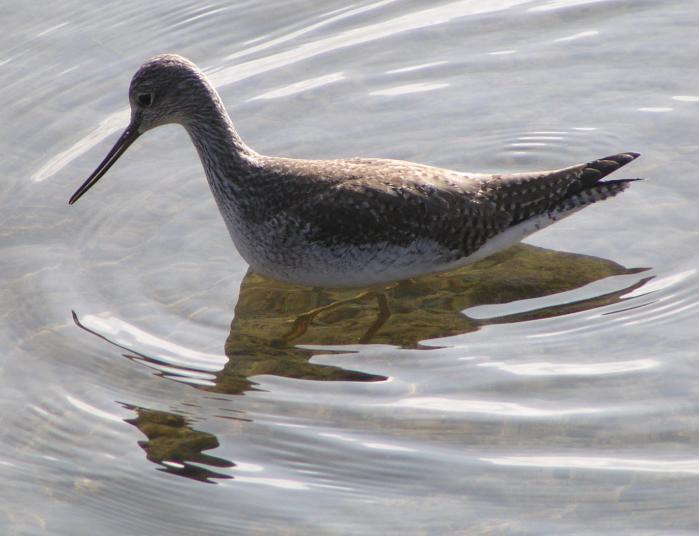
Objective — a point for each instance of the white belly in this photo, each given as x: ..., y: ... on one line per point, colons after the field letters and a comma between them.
x: 288, y: 257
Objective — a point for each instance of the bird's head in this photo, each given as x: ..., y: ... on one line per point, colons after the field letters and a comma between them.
x: 166, y: 89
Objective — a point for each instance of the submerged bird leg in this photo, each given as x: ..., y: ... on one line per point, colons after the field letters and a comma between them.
x: 303, y: 321
x: 383, y: 316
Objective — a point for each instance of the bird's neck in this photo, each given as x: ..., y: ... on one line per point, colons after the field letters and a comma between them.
x: 225, y: 156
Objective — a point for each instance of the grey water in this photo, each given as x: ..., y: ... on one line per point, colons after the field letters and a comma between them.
x: 550, y: 390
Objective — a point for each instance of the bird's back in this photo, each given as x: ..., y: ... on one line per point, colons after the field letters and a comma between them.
x: 394, y: 199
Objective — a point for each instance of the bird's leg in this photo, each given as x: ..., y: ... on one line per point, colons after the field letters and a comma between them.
x: 303, y: 321
x: 384, y: 314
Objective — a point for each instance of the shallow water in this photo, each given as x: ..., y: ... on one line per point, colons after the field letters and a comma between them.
x: 550, y: 390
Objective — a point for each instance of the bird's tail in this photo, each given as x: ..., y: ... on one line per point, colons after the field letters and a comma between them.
x: 599, y: 192
x: 525, y: 195
x: 593, y: 172
x: 590, y: 188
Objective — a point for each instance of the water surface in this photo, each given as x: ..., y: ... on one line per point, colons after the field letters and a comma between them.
x: 548, y: 390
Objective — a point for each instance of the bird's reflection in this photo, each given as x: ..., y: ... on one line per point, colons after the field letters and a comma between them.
x: 427, y: 308
x: 177, y: 447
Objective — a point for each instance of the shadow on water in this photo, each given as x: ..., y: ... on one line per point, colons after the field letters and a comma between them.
x: 427, y: 308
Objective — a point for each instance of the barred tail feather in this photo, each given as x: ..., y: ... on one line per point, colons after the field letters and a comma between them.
x: 599, y: 191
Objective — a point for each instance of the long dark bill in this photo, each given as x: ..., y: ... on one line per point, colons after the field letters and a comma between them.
x: 126, y: 139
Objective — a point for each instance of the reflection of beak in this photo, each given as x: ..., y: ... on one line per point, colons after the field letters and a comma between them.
x: 126, y: 139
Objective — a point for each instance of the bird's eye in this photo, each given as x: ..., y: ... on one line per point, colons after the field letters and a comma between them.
x: 144, y: 99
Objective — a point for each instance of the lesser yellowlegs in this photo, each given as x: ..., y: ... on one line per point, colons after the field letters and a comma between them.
x: 353, y: 222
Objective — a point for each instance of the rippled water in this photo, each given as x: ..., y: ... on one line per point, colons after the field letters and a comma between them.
x: 145, y: 387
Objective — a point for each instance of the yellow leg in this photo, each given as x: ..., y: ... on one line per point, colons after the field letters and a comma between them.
x: 383, y: 316
x: 303, y: 321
